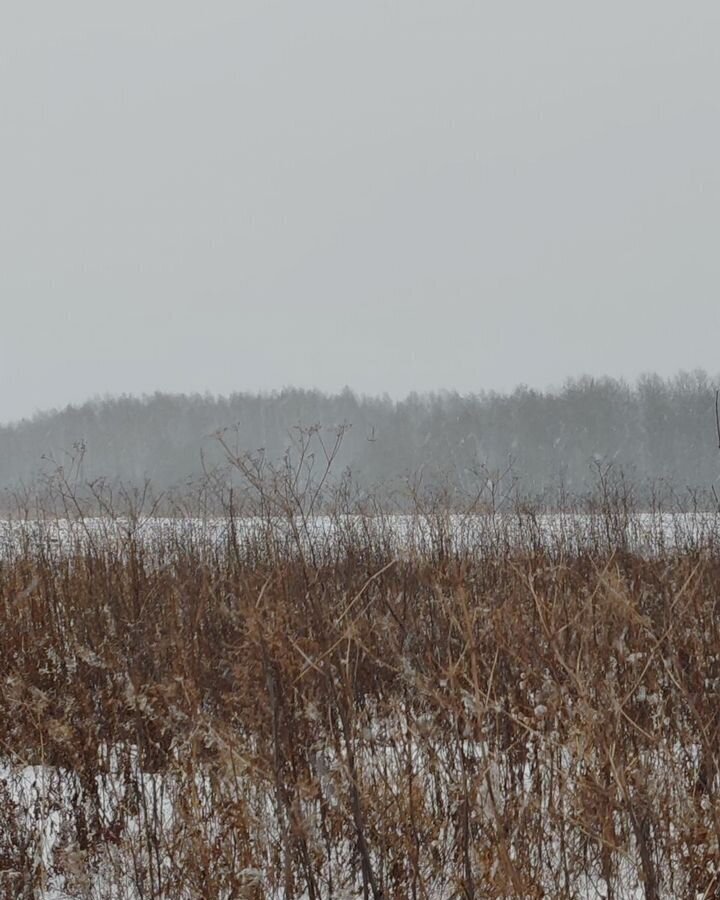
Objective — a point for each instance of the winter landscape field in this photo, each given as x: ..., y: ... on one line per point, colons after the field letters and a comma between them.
x: 359, y: 450
x: 512, y: 704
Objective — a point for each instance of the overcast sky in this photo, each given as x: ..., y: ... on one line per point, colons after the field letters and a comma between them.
x: 400, y: 195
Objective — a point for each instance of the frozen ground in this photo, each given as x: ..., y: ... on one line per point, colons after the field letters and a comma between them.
x: 646, y: 533
x: 56, y: 867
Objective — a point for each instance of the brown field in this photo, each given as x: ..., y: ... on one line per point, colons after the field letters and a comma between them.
x: 272, y: 715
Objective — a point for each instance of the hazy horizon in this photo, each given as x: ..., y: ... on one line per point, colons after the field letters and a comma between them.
x: 406, y: 197
x: 556, y: 389
x: 659, y: 433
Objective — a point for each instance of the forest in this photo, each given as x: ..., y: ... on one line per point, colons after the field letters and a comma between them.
x: 659, y: 433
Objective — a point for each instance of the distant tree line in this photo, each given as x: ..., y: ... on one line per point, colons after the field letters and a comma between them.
x: 656, y: 431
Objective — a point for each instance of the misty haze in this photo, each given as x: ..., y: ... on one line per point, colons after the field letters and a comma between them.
x: 359, y: 450
x: 658, y: 433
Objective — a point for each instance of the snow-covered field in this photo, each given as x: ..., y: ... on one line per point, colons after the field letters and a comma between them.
x: 645, y: 533
x: 155, y: 838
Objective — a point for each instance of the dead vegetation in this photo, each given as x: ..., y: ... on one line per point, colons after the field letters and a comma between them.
x: 279, y: 712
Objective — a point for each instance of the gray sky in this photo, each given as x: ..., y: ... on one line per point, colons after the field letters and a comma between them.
x: 399, y: 195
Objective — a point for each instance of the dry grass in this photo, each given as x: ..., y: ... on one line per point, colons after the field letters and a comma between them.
x: 276, y: 714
